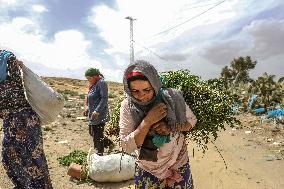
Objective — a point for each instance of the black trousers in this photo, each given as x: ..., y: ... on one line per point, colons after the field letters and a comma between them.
x: 97, y: 132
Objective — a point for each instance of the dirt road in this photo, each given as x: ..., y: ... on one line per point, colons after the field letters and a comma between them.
x: 249, y: 165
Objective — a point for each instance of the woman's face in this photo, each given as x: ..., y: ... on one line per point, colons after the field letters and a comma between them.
x: 142, y: 90
x: 92, y: 79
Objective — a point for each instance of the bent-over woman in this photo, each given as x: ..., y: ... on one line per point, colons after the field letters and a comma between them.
x: 152, y: 125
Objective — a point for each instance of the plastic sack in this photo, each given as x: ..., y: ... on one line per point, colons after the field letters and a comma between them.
x: 111, y: 168
x: 259, y: 110
x: 275, y: 113
x: 46, y: 102
x: 252, y: 100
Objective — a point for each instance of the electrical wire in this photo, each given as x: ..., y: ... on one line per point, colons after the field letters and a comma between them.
x: 167, y: 30
x: 148, y: 49
x: 200, y: 6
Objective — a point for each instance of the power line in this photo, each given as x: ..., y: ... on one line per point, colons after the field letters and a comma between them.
x: 194, y: 7
x: 154, y: 53
x: 167, y: 30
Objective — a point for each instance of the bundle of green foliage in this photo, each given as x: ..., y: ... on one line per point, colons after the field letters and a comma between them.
x: 112, y: 128
x: 212, y: 106
x: 77, y: 156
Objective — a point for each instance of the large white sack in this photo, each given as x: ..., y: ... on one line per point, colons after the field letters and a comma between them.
x: 46, y: 102
x: 111, y: 168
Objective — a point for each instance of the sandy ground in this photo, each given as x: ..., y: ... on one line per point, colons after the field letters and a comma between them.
x: 253, y: 154
x: 252, y: 162
x: 249, y: 165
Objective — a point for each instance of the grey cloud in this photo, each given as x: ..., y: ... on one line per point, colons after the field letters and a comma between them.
x: 273, y: 66
x: 267, y: 37
x: 222, y: 53
x: 262, y: 39
x: 175, y: 57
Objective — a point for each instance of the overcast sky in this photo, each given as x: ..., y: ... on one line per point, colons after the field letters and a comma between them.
x: 65, y: 37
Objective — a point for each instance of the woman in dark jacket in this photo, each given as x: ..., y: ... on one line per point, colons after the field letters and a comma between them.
x: 97, y: 107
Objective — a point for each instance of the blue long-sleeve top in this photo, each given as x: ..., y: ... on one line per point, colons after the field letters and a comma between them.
x: 98, y: 101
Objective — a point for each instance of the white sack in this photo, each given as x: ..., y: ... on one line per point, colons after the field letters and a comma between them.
x: 46, y: 102
x: 111, y: 168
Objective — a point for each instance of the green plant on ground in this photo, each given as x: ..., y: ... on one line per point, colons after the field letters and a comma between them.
x: 82, y: 96
x: 77, y: 156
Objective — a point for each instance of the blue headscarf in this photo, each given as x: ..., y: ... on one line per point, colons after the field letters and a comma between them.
x: 4, y: 56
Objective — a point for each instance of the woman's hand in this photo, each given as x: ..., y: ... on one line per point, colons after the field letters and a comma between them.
x: 161, y: 128
x: 19, y: 63
x: 85, y: 113
x: 95, y: 115
x: 158, y: 112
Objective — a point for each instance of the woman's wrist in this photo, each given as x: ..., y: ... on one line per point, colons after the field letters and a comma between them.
x: 146, y: 123
x: 179, y: 127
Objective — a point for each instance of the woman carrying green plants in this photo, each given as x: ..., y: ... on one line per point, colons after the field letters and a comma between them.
x: 97, y: 107
x: 152, y: 125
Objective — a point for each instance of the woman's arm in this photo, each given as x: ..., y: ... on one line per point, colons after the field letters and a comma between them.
x: 141, y: 132
x: 14, y: 66
x: 126, y: 129
x: 190, y: 122
x: 162, y: 128
x: 131, y: 138
x: 157, y: 113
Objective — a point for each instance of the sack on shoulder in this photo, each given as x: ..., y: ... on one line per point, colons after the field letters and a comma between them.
x: 46, y: 102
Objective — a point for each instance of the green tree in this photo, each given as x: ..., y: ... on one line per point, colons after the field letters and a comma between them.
x: 281, y: 79
x: 238, y: 70
x: 269, y: 91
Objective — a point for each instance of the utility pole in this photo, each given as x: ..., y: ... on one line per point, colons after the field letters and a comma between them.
x: 131, y: 38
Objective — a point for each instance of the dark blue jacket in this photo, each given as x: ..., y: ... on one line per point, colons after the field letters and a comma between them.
x: 98, y: 101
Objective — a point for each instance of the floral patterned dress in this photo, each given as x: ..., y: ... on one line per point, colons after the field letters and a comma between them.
x: 23, y: 156
x: 145, y: 180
